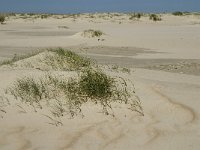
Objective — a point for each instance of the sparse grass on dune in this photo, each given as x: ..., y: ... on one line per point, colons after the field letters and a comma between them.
x: 155, y: 17
x: 66, y: 95
x: 69, y: 94
x: 135, y: 16
x: 92, y: 33
x: 66, y: 60
x: 56, y: 59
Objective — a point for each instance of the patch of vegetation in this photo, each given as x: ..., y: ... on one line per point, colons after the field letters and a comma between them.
x: 57, y: 59
x: 28, y: 90
x: 66, y: 96
x: 95, y: 84
x: 115, y: 67
x: 66, y: 60
x: 126, y: 70
x: 155, y: 17
x: 92, y: 33
x: 178, y: 13
x: 44, y: 16
x: 2, y: 19
x: 122, y: 69
x: 135, y: 16
x: 31, y: 14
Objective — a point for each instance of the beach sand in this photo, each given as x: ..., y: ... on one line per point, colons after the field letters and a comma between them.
x: 164, y: 59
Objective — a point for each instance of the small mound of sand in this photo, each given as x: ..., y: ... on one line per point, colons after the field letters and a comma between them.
x: 53, y: 60
x: 92, y: 33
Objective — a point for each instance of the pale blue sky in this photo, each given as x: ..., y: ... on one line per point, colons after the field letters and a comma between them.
x: 76, y: 6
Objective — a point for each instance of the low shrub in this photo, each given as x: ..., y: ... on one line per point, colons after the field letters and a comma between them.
x: 135, y: 15
x: 155, y: 17
x: 2, y: 19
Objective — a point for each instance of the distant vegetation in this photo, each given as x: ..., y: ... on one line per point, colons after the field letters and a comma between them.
x: 135, y: 16
x: 2, y: 19
x: 178, y: 13
x: 155, y: 17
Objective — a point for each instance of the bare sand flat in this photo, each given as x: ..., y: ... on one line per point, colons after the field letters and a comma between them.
x: 164, y: 62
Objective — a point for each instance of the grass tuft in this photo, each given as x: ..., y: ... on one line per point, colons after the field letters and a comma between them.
x: 96, y: 84
x: 135, y: 16
x: 66, y: 60
x: 92, y: 33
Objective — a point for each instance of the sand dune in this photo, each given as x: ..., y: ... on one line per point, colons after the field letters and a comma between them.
x: 169, y: 94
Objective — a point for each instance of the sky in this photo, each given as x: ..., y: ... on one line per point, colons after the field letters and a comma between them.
x: 81, y: 6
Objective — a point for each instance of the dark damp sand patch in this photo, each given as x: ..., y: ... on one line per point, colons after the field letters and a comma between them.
x: 182, y: 66
x: 119, y: 56
x: 9, y: 52
x: 122, y: 56
x: 42, y: 33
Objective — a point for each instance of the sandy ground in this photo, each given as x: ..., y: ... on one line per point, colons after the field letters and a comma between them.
x: 165, y: 61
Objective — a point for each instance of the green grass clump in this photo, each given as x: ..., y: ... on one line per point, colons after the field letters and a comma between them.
x: 92, y: 33
x: 28, y: 90
x: 155, y: 17
x: 96, y: 84
x: 66, y: 60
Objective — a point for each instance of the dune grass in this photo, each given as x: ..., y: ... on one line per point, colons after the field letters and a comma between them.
x: 155, y: 17
x: 135, y: 16
x: 57, y: 59
x: 91, y: 85
x: 178, y: 13
x: 92, y: 33
x: 2, y: 19
x: 66, y: 95
x: 66, y: 60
